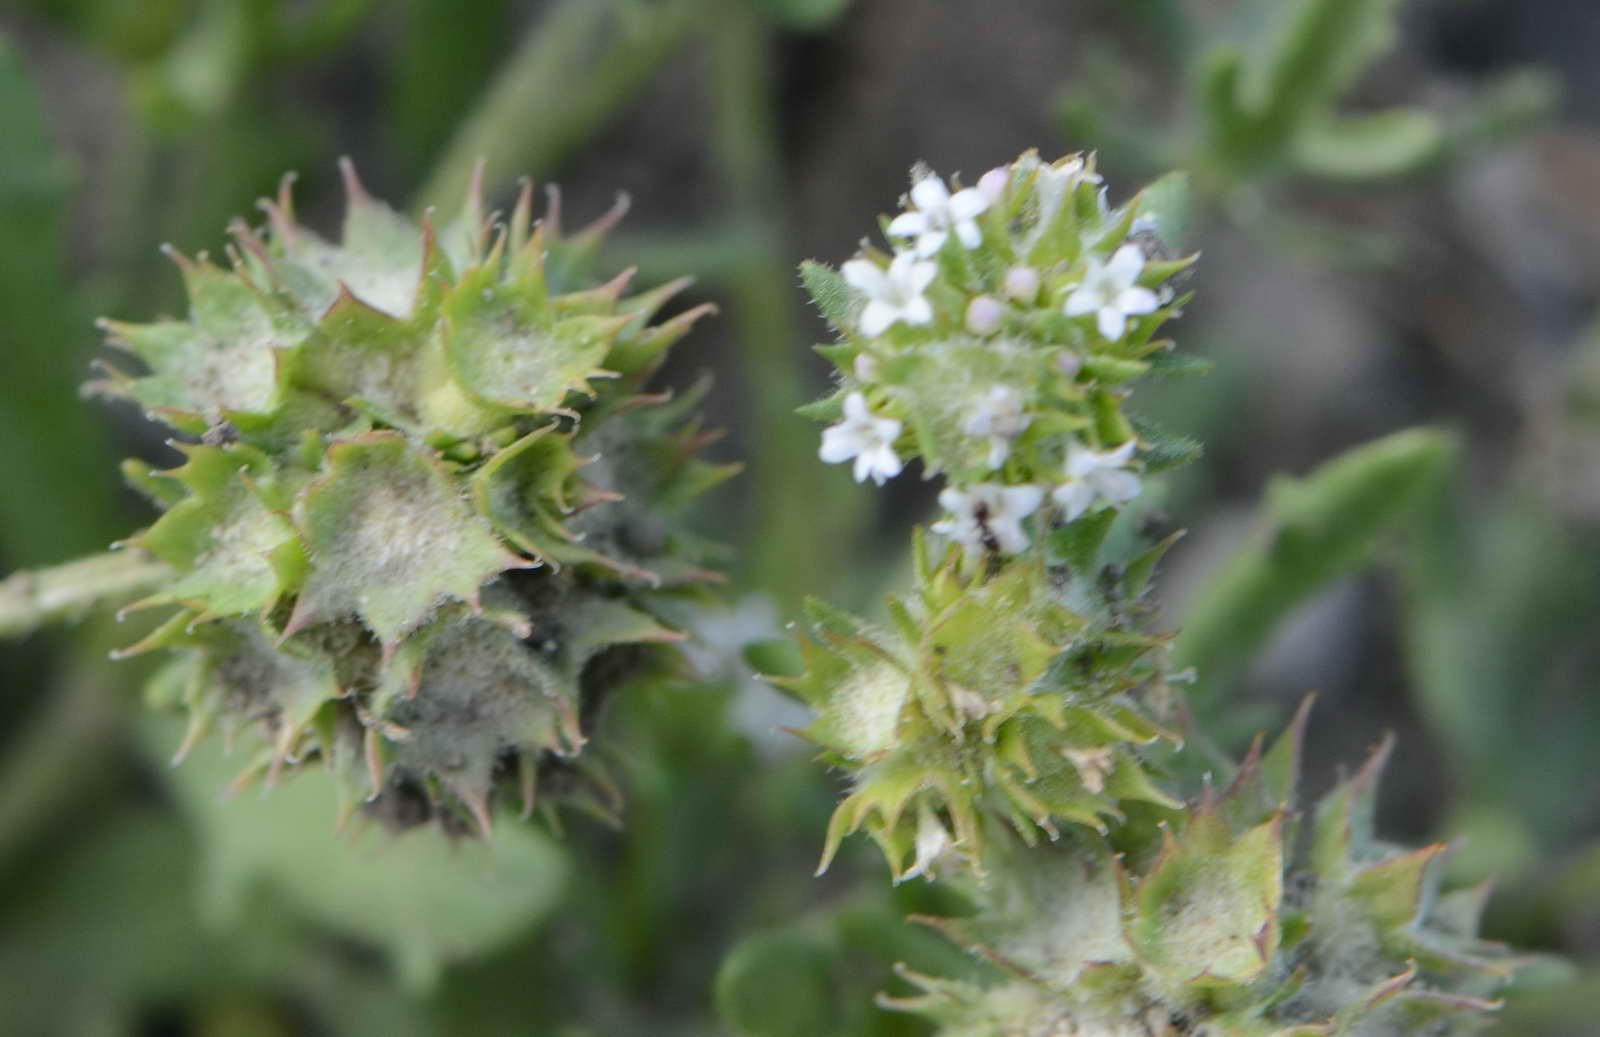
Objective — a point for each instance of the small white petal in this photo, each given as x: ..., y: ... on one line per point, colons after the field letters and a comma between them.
x: 838, y: 445
x: 876, y: 318
x: 921, y: 275
x: 1021, y: 501
x: 969, y: 234
x: 1008, y: 535
x: 1115, y: 486
x: 866, y: 277
x: 1083, y: 300
x: 1120, y: 456
x: 908, y: 224
x: 1137, y: 300
x: 1113, y: 322
x: 930, y: 193
x: 866, y: 367
x: 967, y: 203
x: 917, y: 311
x: 855, y: 408
x: 999, y: 450
x: 931, y: 242
x: 1126, y: 263
x: 886, y: 429
x: 952, y: 500
x: 1073, y: 498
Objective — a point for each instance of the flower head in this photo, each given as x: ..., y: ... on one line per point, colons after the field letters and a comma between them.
x: 999, y: 415
x: 1111, y: 292
x: 988, y: 516
x: 867, y: 438
x: 893, y: 295
x: 1096, y: 475
x: 937, y: 213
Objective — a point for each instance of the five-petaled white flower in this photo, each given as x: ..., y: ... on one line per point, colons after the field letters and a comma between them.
x: 1096, y: 474
x: 999, y: 415
x: 1111, y: 292
x: 988, y: 516
x: 867, y: 438
x: 894, y: 294
x: 937, y: 213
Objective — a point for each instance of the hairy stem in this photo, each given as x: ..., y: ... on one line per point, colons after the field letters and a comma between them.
x: 36, y: 597
x: 574, y: 70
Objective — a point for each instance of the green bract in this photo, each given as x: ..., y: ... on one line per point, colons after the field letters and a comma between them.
x: 1238, y: 918
x: 428, y: 510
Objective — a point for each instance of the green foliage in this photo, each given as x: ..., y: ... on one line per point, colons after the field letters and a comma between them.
x: 1317, y: 529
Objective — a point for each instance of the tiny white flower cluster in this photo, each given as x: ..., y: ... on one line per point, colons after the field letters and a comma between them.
x: 988, y: 516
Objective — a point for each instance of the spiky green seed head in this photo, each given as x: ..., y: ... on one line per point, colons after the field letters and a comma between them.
x: 1023, y: 691
x: 1235, y: 916
x: 428, y: 510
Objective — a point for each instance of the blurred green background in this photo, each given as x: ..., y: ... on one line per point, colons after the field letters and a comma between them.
x: 1399, y: 209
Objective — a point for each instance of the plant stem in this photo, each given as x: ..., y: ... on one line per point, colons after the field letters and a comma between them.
x: 791, y: 526
x: 34, y: 597
x: 571, y: 74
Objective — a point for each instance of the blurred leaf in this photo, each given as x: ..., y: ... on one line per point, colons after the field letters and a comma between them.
x: 422, y: 898
x: 1369, y: 147
x: 1257, y: 104
x: 1317, y: 528
x: 804, y: 14
x: 57, y: 500
x: 1167, y: 202
x: 779, y: 984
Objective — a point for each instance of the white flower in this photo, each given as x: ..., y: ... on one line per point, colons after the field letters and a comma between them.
x: 1111, y: 292
x: 894, y: 294
x: 999, y: 415
x: 867, y: 438
x: 988, y: 516
x: 1096, y: 474
x: 985, y: 314
x: 937, y: 213
x: 933, y: 839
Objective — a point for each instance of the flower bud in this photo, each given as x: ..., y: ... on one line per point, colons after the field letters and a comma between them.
x: 992, y: 185
x: 1022, y: 284
x: 1069, y: 363
x: 984, y: 315
x: 866, y: 367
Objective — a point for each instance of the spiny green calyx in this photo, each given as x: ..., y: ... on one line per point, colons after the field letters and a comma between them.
x: 1234, y: 916
x: 993, y: 692
x: 430, y: 499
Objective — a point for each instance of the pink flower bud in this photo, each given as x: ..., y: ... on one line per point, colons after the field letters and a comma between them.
x: 984, y: 315
x: 992, y: 185
x: 1022, y: 283
x: 866, y: 367
x: 1069, y: 363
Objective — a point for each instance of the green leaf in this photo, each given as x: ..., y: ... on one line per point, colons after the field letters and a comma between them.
x: 832, y: 296
x: 809, y: 15
x: 422, y: 899
x: 778, y: 984
x: 1368, y: 147
x: 1321, y: 527
x: 391, y: 539
x: 1167, y: 202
